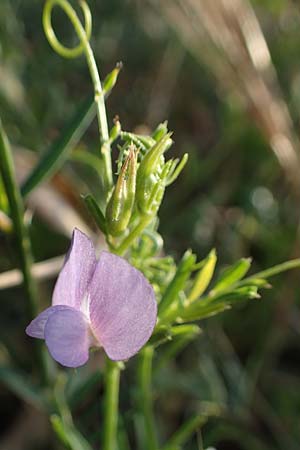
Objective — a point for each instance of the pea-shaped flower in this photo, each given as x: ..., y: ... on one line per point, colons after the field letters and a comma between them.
x: 105, y: 303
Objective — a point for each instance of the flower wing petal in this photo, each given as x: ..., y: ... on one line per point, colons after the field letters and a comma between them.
x: 67, y: 336
x: 123, y: 308
x: 77, y: 271
x: 37, y: 326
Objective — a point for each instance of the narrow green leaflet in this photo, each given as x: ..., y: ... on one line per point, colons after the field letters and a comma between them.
x: 232, y: 274
x: 215, y: 304
x: 59, y: 150
x: 275, y: 270
x: 177, y: 169
x: 203, y: 277
x: 95, y: 212
x: 258, y: 282
x: 178, y: 282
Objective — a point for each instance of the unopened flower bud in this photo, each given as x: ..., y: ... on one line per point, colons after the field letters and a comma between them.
x: 111, y: 78
x: 115, y: 131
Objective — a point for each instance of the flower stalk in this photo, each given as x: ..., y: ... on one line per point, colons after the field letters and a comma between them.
x: 145, y: 388
x: 111, y: 404
x: 134, y: 234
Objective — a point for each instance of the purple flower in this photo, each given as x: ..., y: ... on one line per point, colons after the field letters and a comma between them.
x: 105, y: 303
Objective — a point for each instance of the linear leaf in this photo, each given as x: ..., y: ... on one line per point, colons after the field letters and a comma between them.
x: 95, y: 212
x: 232, y: 274
x: 212, y: 305
x: 58, y: 151
x: 203, y: 277
x: 182, y: 274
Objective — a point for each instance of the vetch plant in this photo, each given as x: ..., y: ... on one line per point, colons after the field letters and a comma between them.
x: 112, y: 302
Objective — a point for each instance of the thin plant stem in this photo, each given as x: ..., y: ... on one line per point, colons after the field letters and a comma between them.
x: 184, y: 433
x: 134, y: 234
x: 111, y: 404
x: 145, y: 390
x: 22, y: 236
x: 288, y: 265
x: 83, y: 35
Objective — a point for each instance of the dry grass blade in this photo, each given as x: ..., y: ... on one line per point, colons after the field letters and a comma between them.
x: 41, y: 271
x: 227, y: 37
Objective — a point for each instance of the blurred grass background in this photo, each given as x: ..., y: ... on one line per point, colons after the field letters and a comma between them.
x: 226, y: 74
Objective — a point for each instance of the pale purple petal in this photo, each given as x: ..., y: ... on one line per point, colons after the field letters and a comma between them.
x: 37, y: 326
x: 76, y: 273
x: 68, y: 337
x: 123, y: 309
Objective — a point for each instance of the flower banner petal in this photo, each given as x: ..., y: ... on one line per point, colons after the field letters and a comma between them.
x: 68, y: 338
x: 79, y: 265
x: 37, y: 326
x: 123, y: 308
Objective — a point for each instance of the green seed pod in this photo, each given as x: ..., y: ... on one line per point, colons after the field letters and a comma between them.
x: 120, y: 205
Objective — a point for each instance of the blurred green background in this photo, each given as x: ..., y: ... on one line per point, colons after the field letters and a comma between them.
x: 226, y: 75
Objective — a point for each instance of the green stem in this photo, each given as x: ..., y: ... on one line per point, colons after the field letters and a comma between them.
x: 112, y: 381
x: 184, y: 433
x: 83, y: 35
x: 61, y: 403
x: 144, y: 374
x: 134, y: 234
x: 265, y: 274
x: 22, y: 235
